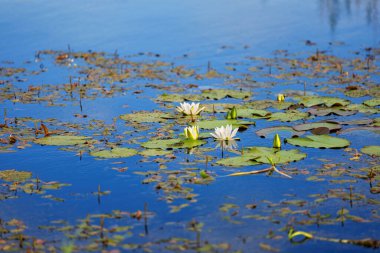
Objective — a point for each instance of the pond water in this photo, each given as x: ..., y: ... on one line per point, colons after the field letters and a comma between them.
x: 92, y: 151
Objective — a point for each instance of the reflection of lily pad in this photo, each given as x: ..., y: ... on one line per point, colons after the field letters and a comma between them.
x: 14, y: 175
x: 310, y: 101
x: 115, y: 153
x: 62, y: 140
x: 147, y: 117
x: 288, y: 116
x: 310, y: 126
x: 222, y: 93
x: 371, y: 150
x: 319, y: 141
x: 281, y: 130
x: 211, y: 124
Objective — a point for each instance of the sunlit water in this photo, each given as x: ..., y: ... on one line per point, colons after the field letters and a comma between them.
x: 193, y: 33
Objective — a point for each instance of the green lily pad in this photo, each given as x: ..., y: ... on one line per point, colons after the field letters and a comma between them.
x: 211, y: 124
x: 189, y: 143
x: 160, y: 144
x: 319, y: 141
x: 281, y: 130
x: 115, y: 153
x: 258, y: 155
x: 154, y: 152
x: 356, y: 93
x: 310, y: 101
x: 310, y: 126
x: 14, y: 175
x: 219, y: 107
x: 292, y: 115
x: 371, y: 150
x: 238, y: 161
x: 251, y: 113
x: 340, y: 111
x: 62, y: 140
x: 281, y: 157
x: 372, y: 102
x: 363, y: 108
x: 218, y: 94
x: 179, y: 97
x: 147, y: 117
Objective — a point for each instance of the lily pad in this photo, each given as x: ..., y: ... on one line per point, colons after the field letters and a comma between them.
x: 62, y: 140
x: 251, y: 113
x: 115, y: 153
x: 160, y: 144
x: 372, y: 102
x: 310, y: 126
x: 310, y: 101
x: 371, y: 150
x: 147, y: 117
x: 329, y: 111
x: 319, y: 141
x: 179, y: 97
x: 219, y: 107
x: 238, y: 161
x: 287, y: 131
x: 211, y: 124
x: 154, y: 152
x: 292, y: 115
x: 281, y: 157
x: 218, y: 94
x: 363, y: 108
x: 14, y: 175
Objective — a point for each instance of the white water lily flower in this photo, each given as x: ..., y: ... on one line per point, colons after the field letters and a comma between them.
x: 190, y: 109
x: 225, y: 133
x: 192, y: 132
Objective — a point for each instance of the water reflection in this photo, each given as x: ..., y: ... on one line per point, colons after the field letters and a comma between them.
x: 335, y: 9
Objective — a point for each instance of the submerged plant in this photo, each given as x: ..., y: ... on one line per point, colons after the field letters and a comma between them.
x: 191, y: 132
x: 225, y: 133
x: 190, y: 109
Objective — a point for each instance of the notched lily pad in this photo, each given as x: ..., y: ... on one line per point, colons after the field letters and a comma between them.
x: 238, y: 161
x: 319, y: 141
x: 371, y: 150
x: 154, y: 152
x: 372, y: 102
x: 179, y: 97
x: 62, y: 140
x: 115, y: 153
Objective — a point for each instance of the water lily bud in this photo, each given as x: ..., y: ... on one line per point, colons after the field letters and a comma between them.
x: 280, y: 97
x: 276, y: 141
x: 229, y: 116
x: 234, y: 113
x: 204, y: 174
x: 192, y: 133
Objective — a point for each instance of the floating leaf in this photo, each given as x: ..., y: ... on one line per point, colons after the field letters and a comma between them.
x: 211, y: 124
x: 371, y: 150
x: 250, y: 113
x: 160, y: 144
x: 281, y: 130
x: 62, y: 140
x: 147, y: 117
x: 291, y: 115
x: 179, y: 97
x: 238, y: 161
x: 363, y: 108
x: 319, y: 141
x: 372, y: 102
x: 310, y: 101
x: 154, y: 152
x: 329, y: 111
x: 115, y: 153
x: 14, y: 175
x: 218, y: 94
x: 309, y: 126
x: 281, y: 157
